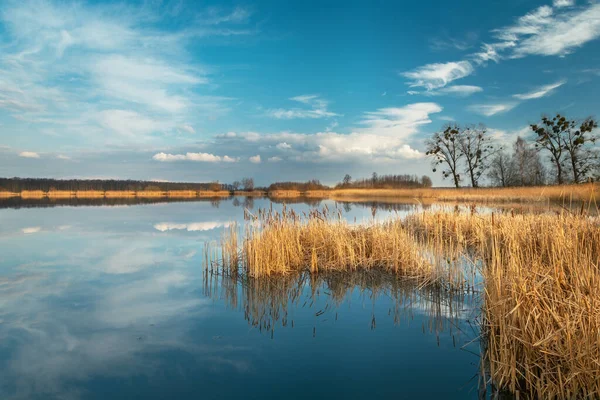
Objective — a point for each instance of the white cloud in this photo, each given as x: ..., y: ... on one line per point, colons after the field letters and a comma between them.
x: 187, y: 128
x: 198, y: 157
x: 563, y: 3
x: 283, y: 146
x: 318, y: 109
x: 539, y: 92
x: 492, y: 109
x: 255, y: 159
x: 29, y: 154
x: 336, y: 147
x: 274, y: 159
x: 381, y: 137
x: 63, y: 157
x: 433, y: 76
x: 29, y: 231
x: 399, y: 122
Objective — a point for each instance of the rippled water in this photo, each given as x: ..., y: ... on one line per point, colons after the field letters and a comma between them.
x: 114, y: 302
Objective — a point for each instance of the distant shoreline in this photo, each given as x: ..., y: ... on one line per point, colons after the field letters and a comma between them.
x: 589, y: 192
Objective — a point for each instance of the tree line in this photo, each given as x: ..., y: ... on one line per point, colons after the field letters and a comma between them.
x: 46, y: 185
x: 560, y: 150
x: 376, y: 181
x: 313, y: 184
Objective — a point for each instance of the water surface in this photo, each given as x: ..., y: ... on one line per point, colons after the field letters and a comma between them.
x: 115, y: 302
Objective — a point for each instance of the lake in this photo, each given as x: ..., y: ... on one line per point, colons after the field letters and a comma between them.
x: 114, y: 301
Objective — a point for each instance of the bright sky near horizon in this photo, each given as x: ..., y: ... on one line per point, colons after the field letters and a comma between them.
x: 201, y: 91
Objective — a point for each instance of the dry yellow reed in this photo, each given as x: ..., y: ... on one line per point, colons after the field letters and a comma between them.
x: 541, y: 294
x: 321, y: 241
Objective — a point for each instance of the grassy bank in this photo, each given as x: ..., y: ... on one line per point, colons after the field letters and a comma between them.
x: 541, y: 279
x: 562, y: 193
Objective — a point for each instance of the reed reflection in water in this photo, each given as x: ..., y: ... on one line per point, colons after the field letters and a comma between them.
x: 269, y: 303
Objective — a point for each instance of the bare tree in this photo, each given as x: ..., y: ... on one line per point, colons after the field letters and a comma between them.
x: 236, y: 185
x: 347, y: 180
x: 579, y: 144
x: 523, y: 168
x: 444, y: 148
x: 248, y: 184
x: 500, y: 170
x: 374, y: 178
x: 550, y: 134
x: 475, y: 144
x: 426, y: 181
x: 526, y: 168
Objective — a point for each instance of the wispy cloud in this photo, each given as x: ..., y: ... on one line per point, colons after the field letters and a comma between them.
x: 492, y: 109
x: 198, y: 157
x: 110, y: 72
x: 318, y: 109
x: 455, y: 90
x: 542, y: 91
x: 547, y: 32
x: 433, y: 76
x: 399, y: 122
x: 445, y: 43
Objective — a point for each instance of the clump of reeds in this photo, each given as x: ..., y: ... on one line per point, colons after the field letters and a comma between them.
x: 541, y: 297
x: 278, y: 243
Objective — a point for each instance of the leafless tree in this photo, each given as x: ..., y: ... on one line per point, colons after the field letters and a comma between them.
x: 476, y: 145
x: 444, y: 148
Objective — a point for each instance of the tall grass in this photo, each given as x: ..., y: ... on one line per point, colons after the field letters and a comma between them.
x: 541, y: 297
x: 539, y: 273
x: 279, y: 243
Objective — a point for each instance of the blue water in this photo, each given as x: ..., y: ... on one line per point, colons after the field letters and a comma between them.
x: 102, y: 302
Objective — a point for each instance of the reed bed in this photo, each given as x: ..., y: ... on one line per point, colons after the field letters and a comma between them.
x: 112, y: 194
x: 60, y: 194
x: 33, y: 194
x: 151, y: 194
x: 563, y: 193
x: 181, y: 193
x: 284, y: 193
x: 6, y: 195
x: 541, y: 299
x: 322, y: 241
x: 89, y: 194
x: 253, y: 193
x: 213, y: 193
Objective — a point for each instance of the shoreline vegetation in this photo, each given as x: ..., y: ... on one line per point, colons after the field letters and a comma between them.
x: 538, y: 277
x: 108, y: 194
x: 587, y: 192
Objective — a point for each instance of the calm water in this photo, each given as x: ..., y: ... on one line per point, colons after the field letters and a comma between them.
x: 113, y: 302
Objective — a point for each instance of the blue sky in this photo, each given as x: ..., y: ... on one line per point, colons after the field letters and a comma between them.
x: 198, y: 91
